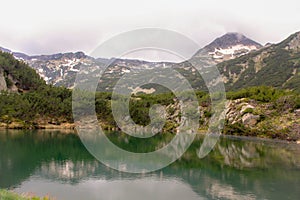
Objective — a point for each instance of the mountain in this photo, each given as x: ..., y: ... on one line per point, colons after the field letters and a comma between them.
x: 61, y: 69
x: 241, y: 61
x: 230, y: 46
x: 276, y: 65
x: 232, y: 39
x: 17, y: 55
x: 57, y: 69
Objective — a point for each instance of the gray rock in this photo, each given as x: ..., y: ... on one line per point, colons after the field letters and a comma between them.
x: 3, y: 85
x: 297, y: 112
x: 295, y: 42
x: 230, y: 120
x: 250, y: 120
x: 245, y: 107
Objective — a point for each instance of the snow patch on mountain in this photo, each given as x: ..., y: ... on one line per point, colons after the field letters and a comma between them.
x: 232, y: 52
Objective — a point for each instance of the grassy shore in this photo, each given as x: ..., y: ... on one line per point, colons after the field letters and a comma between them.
x: 9, y: 195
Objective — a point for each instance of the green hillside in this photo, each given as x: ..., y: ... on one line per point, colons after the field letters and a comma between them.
x: 27, y: 99
x: 18, y: 74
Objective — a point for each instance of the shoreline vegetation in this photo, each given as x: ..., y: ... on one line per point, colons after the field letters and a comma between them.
x: 10, y: 195
x: 23, y: 125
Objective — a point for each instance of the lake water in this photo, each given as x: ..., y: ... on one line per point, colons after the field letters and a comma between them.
x: 57, y: 164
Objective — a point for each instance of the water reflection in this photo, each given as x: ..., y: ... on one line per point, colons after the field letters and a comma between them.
x: 147, y: 189
x: 58, y: 164
x: 67, y: 170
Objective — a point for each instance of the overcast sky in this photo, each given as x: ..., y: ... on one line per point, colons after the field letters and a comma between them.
x: 51, y: 26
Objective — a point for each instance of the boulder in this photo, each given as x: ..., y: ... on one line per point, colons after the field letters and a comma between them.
x: 245, y: 107
x: 297, y: 112
x: 250, y: 120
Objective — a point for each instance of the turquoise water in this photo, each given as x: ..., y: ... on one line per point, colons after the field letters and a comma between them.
x: 57, y: 164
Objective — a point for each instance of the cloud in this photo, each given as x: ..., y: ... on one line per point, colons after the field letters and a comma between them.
x: 44, y: 27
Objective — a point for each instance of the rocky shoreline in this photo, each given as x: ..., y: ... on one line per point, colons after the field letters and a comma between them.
x: 22, y: 125
x: 244, y: 117
x: 272, y: 120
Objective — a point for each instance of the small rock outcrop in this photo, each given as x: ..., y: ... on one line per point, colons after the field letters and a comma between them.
x: 250, y: 120
x: 3, y: 85
x: 240, y: 111
x: 294, y: 44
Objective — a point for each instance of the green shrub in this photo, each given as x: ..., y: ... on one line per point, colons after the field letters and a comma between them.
x: 248, y: 110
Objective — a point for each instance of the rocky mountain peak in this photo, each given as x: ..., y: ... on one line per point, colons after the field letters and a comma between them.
x: 229, y: 46
x: 58, y: 56
x: 231, y: 39
x: 294, y: 41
